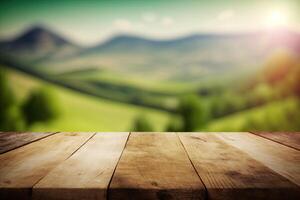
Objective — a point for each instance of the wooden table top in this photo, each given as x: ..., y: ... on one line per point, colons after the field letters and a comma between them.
x: 149, y: 165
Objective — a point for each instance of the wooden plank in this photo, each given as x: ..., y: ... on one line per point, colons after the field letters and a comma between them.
x: 12, y: 140
x: 87, y: 173
x: 290, y: 139
x: 155, y: 166
x: 21, y: 168
x: 229, y: 173
x: 282, y: 159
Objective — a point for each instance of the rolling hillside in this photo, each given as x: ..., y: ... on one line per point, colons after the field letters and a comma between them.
x: 141, y: 71
x: 280, y: 115
x: 85, y: 113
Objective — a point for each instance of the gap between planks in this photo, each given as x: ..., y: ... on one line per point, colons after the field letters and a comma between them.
x: 187, y: 154
x: 111, y: 178
x: 280, y: 158
x: 155, y: 166
x: 276, y: 140
x: 61, y: 162
x: 25, y: 142
x: 87, y: 173
x: 17, y: 167
x: 228, y: 172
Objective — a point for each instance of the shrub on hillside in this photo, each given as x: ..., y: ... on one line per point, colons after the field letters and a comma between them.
x: 192, y: 113
x: 40, y: 106
x: 142, y: 124
x: 174, y: 125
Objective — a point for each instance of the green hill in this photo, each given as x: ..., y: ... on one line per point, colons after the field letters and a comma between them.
x: 279, y: 115
x: 85, y: 113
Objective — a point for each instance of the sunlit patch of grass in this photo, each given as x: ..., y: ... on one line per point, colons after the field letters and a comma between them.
x: 275, y: 116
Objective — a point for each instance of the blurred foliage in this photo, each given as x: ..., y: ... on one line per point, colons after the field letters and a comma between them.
x: 192, y: 113
x: 281, y: 115
x: 41, y: 106
x: 142, y: 124
x: 174, y: 125
x: 10, y: 116
x: 80, y: 112
x: 267, y: 101
x: 18, y: 116
x: 282, y: 73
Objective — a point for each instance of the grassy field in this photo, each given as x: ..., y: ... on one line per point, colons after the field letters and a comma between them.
x: 85, y: 113
x: 280, y: 115
x: 148, y: 84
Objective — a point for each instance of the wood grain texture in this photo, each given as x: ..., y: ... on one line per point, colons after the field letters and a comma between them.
x: 21, y: 168
x: 290, y: 139
x: 229, y: 173
x: 282, y: 159
x: 12, y: 140
x: 87, y: 173
x: 155, y: 166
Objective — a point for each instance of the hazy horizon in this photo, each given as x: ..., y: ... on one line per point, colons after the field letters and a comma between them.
x: 87, y: 23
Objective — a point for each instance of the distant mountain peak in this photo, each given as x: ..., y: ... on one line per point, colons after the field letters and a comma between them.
x: 38, y: 42
x: 39, y: 35
x: 38, y: 29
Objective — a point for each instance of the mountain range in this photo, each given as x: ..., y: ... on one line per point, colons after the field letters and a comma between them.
x: 187, y: 57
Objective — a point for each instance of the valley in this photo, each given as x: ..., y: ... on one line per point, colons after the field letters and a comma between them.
x: 130, y: 75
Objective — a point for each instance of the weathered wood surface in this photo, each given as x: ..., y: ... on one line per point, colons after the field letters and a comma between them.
x: 155, y: 166
x: 22, y: 168
x: 229, y: 173
x: 290, y: 139
x: 280, y: 158
x: 87, y: 173
x: 12, y: 140
x: 150, y: 166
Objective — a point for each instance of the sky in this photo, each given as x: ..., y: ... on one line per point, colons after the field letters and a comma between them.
x: 91, y: 21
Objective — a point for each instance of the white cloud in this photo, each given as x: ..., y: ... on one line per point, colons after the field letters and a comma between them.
x: 226, y: 15
x: 123, y: 24
x: 149, y: 17
x: 167, y: 21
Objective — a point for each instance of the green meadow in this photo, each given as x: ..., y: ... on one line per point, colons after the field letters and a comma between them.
x: 80, y: 112
x: 131, y: 83
x: 280, y: 115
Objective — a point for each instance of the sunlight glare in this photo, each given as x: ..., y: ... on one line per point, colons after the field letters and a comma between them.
x: 276, y: 18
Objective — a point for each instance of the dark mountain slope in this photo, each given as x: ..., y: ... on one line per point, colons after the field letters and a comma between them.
x: 37, y: 43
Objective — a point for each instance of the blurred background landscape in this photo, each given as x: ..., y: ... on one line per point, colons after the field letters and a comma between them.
x: 150, y: 66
